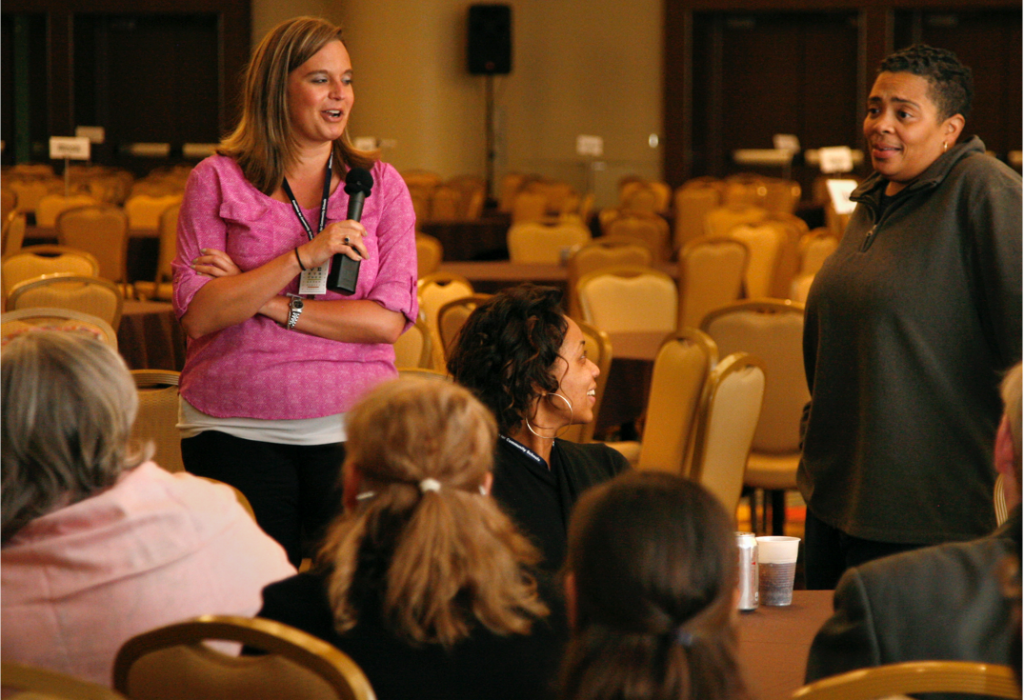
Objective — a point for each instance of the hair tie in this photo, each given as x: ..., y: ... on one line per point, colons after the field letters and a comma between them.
x: 430, y: 485
x: 682, y: 637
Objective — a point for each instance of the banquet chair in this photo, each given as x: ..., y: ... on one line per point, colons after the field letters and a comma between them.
x: 650, y: 228
x: 29, y: 192
x: 434, y: 291
x: 744, y: 190
x: 711, y: 274
x: 14, y: 233
x: 102, y: 231
x: 38, y: 260
x: 727, y: 418
x: 413, y: 347
x: 772, y: 330
x: 452, y: 317
x: 964, y: 677
x: 144, y: 210
x: 692, y: 202
x: 162, y: 285
x: 51, y: 205
x: 815, y: 247
x: 721, y: 220
x: 423, y: 373
x: 528, y: 207
x: 91, y: 295
x: 21, y: 681
x: 600, y: 253
x: 420, y: 196
x: 628, y: 298
x: 801, y: 288
x: 533, y: 242
x: 445, y: 204
x: 599, y: 351
x: 421, y: 178
x: 835, y: 222
x: 682, y: 367
x: 472, y: 195
x: 429, y: 254
x: 158, y: 415
x: 14, y: 323
x: 781, y: 195
x: 8, y: 202
x: 172, y: 662
x: 764, y: 243
x: 511, y: 183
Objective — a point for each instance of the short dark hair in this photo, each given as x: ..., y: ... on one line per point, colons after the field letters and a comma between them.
x: 506, y: 350
x: 951, y: 84
x: 653, y: 557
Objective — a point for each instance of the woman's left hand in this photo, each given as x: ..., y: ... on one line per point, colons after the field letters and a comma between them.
x: 215, y: 263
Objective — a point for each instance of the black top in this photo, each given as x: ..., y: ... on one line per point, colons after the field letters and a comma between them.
x: 485, y: 665
x: 540, y: 499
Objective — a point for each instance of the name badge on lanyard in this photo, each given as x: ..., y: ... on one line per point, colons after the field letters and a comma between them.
x: 314, y: 280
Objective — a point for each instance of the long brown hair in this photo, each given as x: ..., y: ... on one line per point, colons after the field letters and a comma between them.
x: 263, y: 143
x: 424, y: 448
x: 654, y: 565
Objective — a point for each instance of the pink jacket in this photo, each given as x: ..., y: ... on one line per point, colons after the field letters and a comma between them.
x: 257, y: 369
x: 154, y: 549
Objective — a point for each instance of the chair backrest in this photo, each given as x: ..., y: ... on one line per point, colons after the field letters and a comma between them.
x: 14, y: 323
x: 744, y: 190
x: 781, y: 195
x: 815, y: 247
x: 650, y: 228
x: 533, y: 242
x: 529, y: 206
x: 435, y: 290
x: 645, y: 196
x: 446, y: 203
x: 172, y: 662
x: 413, y: 347
x: 29, y: 192
x: 764, y: 242
x: 51, y: 205
x: 721, y: 220
x: 158, y: 415
x: 91, y: 295
x: 711, y: 274
x: 601, y: 253
x: 36, y: 261
x: 144, y: 210
x: 452, y: 317
x: 102, y: 231
x: 692, y: 201
x: 8, y: 202
x: 628, y: 298
x: 23, y: 681
x: 801, y: 288
x: 681, y: 370
x: 772, y: 330
x: 599, y: 351
x: 168, y: 243
x: 890, y: 680
x: 728, y: 417
x: 511, y: 183
x: 14, y: 232
x: 472, y: 194
x: 429, y: 254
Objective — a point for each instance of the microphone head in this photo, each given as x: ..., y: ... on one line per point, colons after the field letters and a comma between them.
x: 358, y: 180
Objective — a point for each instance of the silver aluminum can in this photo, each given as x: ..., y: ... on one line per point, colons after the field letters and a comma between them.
x: 746, y: 546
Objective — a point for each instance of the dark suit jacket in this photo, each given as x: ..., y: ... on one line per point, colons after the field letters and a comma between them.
x: 941, y: 603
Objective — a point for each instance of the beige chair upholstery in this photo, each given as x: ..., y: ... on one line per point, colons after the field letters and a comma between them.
x: 172, y: 662
x: 472, y: 195
x: 436, y: 290
x: 446, y: 204
x: 158, y: 415
x: 901, y: 679
x: 91, y: 295
x: 650, y: 228
x: 764, y: 242
x: 162, y: 287
x: 102, y: 231
x: 51, y: 205
x: 144, y: 210
x: 628, y: 298
x: 36, y: 261
x: 728, y: 417
x: 413, y: 348
x: 711, y: 274
x: 599, y: 351
x: 601, y: 253
x: 452, y: 317
x: 423, y: 373
x: 429, y: 254
x: 771, y: 330
x: 801, y: 288
x: 681, y: 371
x: 744, y: 190
x: 835, y: 223
x: 29, y: 192
x: 420, y: 196
x: 692, y: 203
x: 421, y: 178
x: 721, y: 220
x: 8, y: 202
x: 534, y: 242
x: 21, y: 681
x: 14, y: 323
x: 511, y: 184
x: 14, y: 233
x: 815, y: 247
x: 529, y: 207
x: 781, y: 195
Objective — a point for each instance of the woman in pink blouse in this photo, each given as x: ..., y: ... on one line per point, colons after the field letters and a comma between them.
x: 274, y: 360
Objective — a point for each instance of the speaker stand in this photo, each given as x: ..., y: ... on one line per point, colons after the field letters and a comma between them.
x: 492, y: 202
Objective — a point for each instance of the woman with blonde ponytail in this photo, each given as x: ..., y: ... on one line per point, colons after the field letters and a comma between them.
x: 650, y: 590
x: 423, y: 580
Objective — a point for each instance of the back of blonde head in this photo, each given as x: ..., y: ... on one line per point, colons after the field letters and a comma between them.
x: 424, y: 448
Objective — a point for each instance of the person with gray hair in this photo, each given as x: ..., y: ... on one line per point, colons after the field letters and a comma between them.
x: 99, y: 543
x: 942, y: 603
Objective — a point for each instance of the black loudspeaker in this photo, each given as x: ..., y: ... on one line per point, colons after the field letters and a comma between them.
x: 490, y: 39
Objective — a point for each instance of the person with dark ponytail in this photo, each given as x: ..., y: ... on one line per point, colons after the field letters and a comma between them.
x: 423, y: 580
x: 650, y: 592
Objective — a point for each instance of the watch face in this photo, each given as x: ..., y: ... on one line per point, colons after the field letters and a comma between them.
x: 296, y: 303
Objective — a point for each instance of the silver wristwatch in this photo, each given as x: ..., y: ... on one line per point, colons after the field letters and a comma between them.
x: 294, y: 311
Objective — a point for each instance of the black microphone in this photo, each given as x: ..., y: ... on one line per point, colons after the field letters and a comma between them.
x: 344, y: 272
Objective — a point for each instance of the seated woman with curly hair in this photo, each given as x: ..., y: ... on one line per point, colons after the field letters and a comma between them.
x: 423, y: 581
x: 527, y: 362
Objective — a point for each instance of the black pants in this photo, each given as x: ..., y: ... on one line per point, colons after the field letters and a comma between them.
x: 830, y: 552
x: 294, y: 490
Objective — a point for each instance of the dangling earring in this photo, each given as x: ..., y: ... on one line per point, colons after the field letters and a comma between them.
x: 945, y: 146
x: 562, y: 428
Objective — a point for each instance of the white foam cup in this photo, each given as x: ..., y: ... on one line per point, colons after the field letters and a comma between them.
x: 776, y: 559
x: 774, y: 549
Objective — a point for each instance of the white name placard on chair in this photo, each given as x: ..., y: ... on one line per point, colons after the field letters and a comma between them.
x: 70, y: 147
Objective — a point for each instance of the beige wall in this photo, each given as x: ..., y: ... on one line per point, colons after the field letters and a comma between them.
x: 581, y: 67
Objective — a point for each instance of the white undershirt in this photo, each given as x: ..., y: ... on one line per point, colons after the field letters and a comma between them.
x: 301, y: 431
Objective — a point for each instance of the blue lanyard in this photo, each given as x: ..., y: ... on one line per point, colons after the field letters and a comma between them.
x: 323, y: 202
